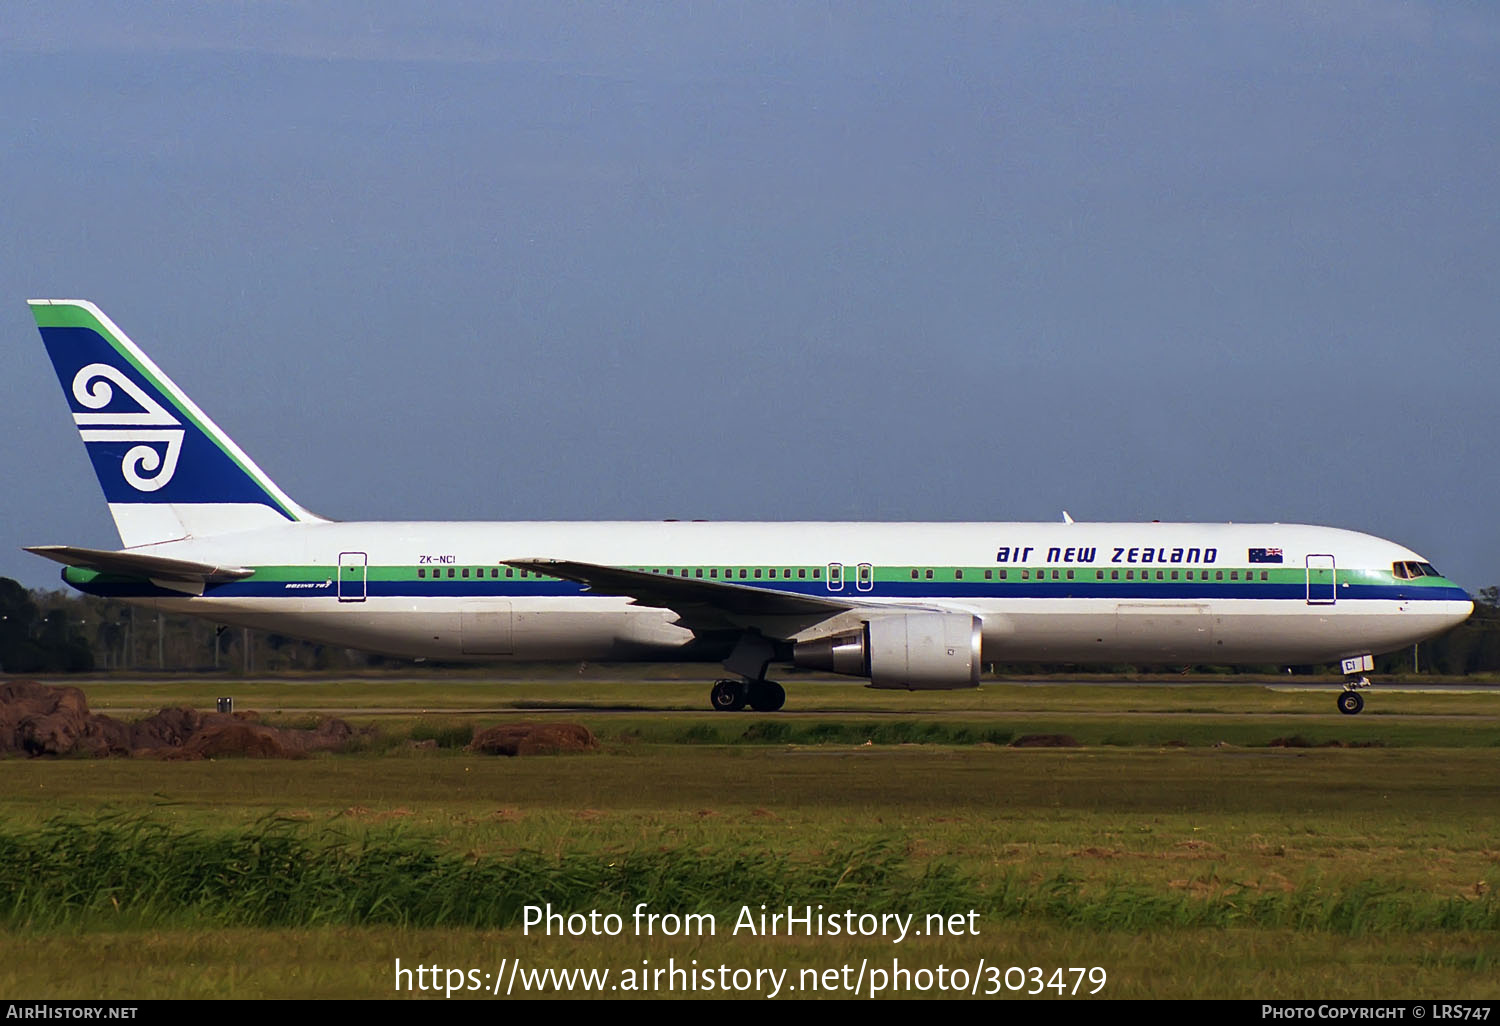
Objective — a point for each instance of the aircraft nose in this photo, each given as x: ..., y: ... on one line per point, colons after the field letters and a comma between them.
x: 1462, y: 611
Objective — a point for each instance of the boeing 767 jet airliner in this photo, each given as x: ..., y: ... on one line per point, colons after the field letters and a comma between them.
x: 916, y: 606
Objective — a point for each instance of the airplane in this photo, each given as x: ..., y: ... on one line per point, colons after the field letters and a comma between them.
x: 903, y: 605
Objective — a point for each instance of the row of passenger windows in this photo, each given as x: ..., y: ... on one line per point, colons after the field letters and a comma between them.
x: 772, y: 573
x: 752, y: 574
x: 801, y: 573
x: 437, y: 571
x: 1114, y: 575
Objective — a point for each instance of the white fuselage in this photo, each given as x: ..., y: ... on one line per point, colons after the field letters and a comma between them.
x: 1085, y: 593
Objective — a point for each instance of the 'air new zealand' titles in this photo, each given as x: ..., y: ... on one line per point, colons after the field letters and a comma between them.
x: 915, y: 606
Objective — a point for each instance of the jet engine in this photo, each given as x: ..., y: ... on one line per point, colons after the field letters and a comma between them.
x: 910, y: 651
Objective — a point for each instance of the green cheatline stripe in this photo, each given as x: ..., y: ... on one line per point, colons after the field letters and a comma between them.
x: 68, y: 316
x: 894, y: 575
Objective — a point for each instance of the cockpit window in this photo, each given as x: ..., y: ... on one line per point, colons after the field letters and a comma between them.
x: 1407, y: 571
x: 1428, y: 570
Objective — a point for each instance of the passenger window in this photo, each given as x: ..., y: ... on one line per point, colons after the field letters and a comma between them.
x: 450, y: 572
x: 1174, y: 575
x: 1161, y: 575
x: 958, y: 575
x: 1114, y: 575
x: 466, y: 571
x: 989, y: 575
x: 421, y: 572
x: 1130, y: 575
x: 1234, y: 575
x: 699, y: 573
x: 1025, y: 575
x: 1218, y: 575
x: 1070, y: 575
x: 929, y: 575
x: 714, y: 572
x: 1265, y: 576
x: 757, y: 573
x: 801, y: 574
x: 914, y: 573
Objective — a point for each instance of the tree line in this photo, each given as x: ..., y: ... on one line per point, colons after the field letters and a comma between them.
x: 68, y: 632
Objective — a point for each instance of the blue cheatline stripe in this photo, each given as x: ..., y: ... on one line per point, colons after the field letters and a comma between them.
x: 914, y: 590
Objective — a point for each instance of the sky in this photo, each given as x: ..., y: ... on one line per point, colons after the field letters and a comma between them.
x: 767, y: 261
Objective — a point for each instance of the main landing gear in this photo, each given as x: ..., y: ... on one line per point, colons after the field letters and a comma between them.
x: 760, y: 695
x: 1350, y: 700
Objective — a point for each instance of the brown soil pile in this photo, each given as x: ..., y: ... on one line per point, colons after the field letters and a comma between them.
x: 533, y: 739
x: 36, y: 719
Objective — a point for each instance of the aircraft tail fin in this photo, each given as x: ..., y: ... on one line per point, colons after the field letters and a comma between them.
x: 167, y: 470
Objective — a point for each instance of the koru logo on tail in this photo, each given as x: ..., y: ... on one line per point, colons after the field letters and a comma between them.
x: 152, y: 426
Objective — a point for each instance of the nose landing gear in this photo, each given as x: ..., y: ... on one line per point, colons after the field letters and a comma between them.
x: 1350, y: 700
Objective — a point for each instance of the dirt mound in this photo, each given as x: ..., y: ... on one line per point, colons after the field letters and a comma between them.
x: 37, y: 719
x: 533, y: 739
x: 1045, y: 741
x: 216, y: 737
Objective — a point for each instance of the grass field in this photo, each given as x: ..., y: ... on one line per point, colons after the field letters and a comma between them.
x: 1175, y: 848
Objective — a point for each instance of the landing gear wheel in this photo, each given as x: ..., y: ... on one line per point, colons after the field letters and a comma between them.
x: 766, y: 695
x: 1350, y: 702
x: 729, y: 695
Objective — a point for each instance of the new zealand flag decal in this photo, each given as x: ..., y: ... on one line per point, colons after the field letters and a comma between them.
x: 1265, y: 555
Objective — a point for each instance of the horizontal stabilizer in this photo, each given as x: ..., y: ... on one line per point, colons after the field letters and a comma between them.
x: 131, y: 564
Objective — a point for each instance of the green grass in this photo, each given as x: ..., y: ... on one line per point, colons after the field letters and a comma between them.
x: 134, y: 870
x: 1233, y: 871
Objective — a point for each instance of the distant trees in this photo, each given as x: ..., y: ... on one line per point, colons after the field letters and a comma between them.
x: 33, y: 641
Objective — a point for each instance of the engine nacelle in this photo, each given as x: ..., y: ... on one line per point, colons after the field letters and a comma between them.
x: 911, y: 651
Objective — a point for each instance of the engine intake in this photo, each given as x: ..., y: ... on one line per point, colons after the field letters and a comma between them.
x: 910, y: 651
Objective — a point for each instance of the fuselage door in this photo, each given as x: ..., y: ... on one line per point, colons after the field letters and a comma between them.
x: 1322, y: 588
x: 865, y: 580
x: 354, y: 568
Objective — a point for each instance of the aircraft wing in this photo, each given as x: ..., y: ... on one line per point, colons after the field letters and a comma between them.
x: 135, y: 564
x: 701, y: 605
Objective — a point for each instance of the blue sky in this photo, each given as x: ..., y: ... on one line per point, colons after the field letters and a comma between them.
x: 766, y: 261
